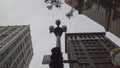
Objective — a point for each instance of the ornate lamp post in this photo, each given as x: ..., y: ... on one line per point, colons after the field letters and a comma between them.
x: 56, y: 60
x: 56, y: 57
x: 58, y: 32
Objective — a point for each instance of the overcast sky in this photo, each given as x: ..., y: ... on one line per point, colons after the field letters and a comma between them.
x: 35, y: 13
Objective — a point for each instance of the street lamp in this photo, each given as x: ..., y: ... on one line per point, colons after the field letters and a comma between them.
x: 56, y: 59
x: 58, y: 32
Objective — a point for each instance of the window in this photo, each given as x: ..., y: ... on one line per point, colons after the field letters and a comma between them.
x: 20, y: 46
x: 7, y: 50
x: 93, y: 36
x: 3, y: 55
x: 89, y: 36
x: 81, y: 58
x: 80, y: 50
x: 117, y: 11
x: 9, y: 61
x: 80, y: 37
x: 82, y: 53
x: 76, y: 53
x: 86, y: 65
x: 84, y: 36
x: 0, y: 59
x: 5, y: 65
x: 76, y: 50
x: 118, y: 14
x: 75, y: 37
x: 71, y: 37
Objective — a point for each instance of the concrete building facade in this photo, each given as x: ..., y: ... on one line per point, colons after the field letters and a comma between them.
x: 15, y: 46
x: 111, y: 21
x: 92, y: 50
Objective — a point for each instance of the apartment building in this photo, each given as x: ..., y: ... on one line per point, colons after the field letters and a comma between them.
x: 91, y: 50
x: 15, y: 46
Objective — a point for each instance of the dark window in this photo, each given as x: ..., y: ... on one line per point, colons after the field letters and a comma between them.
x: 80, y: 37
x: 75, y: 37
x: 71, y: 37
x: 118, y: 14
x: 76, y: 53
x: 84, y: 64
x: 5, y: 65
x: 75, y: 49
x: 84, y: 37
x: 81, y: 58
x: 80, y: 50
x: 82, y: 54
x: 117, y: 11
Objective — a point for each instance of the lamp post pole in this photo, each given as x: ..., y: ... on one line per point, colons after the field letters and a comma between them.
x: 56, y: 57
x: 58, y: 41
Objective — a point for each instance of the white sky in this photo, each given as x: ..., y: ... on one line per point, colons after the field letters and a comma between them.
x: 35, y: 13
